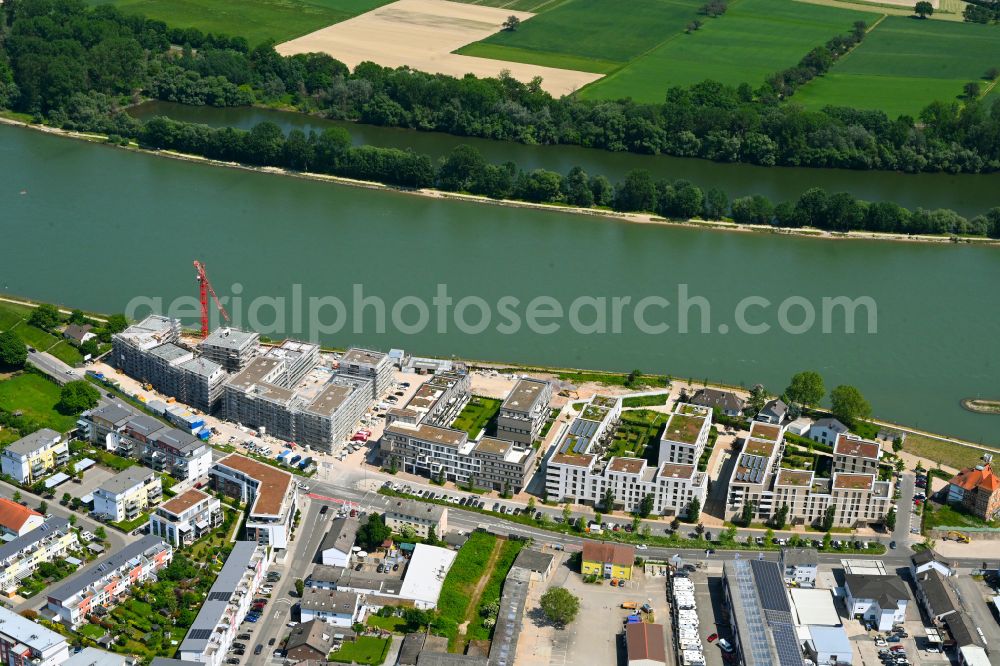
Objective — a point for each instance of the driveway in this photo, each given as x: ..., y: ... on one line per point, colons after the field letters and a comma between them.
x: 905, y: 516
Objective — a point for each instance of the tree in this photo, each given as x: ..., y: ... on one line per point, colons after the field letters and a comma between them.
x: 848, y: 405
x: 675, y: 524
x: 746, y: 514
x: 897, y: 445
x: 567, y: 513
x: 608, y: 500
x: 971, y: 90
x: 116, y: 323
x: 923, y: 9
x: 531, y: 504
x: 828, y: 518
x: 699, y: 529
x: 780, y: 518
x: 637, y: 193
x: 827, y: 541
x: 890, y: 520
x: 373, y: 532
x: 45, y: 316
x: 512, y: 23
x: 77, y: 396
x: 646, y: 506
x: 693, y: 510
x: 72, y: 519
x: 101, y: 534
x: 560, y: 606
x: 300, y: 587
x: 407, y: 533
x: 13, y: 351
x: 806, y: 388
x: 77, y: 317
x: 432, y: 538
x: 758, y: 398
x: 43, y: 507
x: 17, y: 496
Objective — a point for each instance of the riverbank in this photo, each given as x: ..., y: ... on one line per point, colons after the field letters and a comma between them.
x: 635, y: 218
x: 931, y: 447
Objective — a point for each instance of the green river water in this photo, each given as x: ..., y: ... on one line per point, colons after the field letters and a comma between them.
x: 93, y: 226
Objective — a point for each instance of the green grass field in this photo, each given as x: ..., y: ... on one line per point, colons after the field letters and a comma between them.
x: 11, y: 314
x: 37, y: 398
x: 34, y: 336
x: 589, y: 35
x: 257, y: 20
x: 754, y: 39
x: 518, y: 5
x: 905, y: 64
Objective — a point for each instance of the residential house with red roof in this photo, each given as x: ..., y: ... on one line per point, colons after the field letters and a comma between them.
x: 978, y: 490
x: 17, y: 520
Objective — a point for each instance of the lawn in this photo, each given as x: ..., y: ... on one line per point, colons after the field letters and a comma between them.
x: 658, y: 399
x: 637, y: 430
x: 363, y: 650
x: 589, y: 35
x: 391, y: 623
x: 37, y: 398
x: 92, y: 631
x: 257, y: 20
x: 946, y: 516
x: 34, y: 336
x: 67, y: 353
x: 477, y: 415
x: 905, y: 64
x: 946, y: 453
x: 491, y: 593
x: 754, y: 39
x: 461, y: 581
x: 11, y: 313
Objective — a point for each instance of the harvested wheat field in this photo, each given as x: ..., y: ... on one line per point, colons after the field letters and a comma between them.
x: 422, y: 34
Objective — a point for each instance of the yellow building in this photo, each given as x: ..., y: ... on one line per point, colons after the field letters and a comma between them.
x: 607, y: 560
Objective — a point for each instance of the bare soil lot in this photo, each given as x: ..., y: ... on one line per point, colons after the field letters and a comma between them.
x: 422, y: 34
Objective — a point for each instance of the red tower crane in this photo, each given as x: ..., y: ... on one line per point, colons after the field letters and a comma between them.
x: 205, y: 288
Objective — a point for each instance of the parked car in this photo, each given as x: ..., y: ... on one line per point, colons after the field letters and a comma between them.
x: 932, y: 650
x: 712, y: 637
x: 271, y: 642
x: 725, y: 645
x: 259, y: 648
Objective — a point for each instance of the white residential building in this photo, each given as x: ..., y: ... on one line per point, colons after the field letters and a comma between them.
x: 34, y: 456
x: 184, y: 519
x: 267, y: 490
x: 109, y: 579
x: 17, y: 520
x: 826, y: 431
x: 800, y: 565
x: 127, y: 494
x: 335, y: 550
x: 228, y: 601
x: 20, y: 557
x: 334, y: 607
x: 24, y: 642
x: 524, y: 411
x: 878, y: 599
x: 419, y: 516
x: 685, y: 435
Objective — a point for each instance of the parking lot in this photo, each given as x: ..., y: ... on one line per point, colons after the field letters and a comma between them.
x: 712, y: 616
x: 595, y: 636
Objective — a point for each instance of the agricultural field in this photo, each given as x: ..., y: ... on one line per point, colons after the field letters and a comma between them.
x: 905, y: 64
x: 589, y: 35
x: 256, y: 20
x: 754, y: 39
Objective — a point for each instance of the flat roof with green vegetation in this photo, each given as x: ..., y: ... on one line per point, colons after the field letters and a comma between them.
x: 683, y: 428
x: 477, y: 414
x: 754, y: 39
x: 594, y: 413
x: 36, y: 397
x: 906, y: 63
x: 256, y: 20
x: 588, y: 35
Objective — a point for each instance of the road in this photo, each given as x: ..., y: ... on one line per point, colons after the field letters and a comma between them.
x: 53, y: 367
x: 904, y: 514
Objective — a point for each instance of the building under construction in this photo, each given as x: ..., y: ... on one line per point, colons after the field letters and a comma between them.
x: 231, y: 348
x: 148, y: 352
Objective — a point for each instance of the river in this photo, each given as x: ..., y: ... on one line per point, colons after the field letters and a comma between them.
x: 969, y: 194
x: 93, y: 226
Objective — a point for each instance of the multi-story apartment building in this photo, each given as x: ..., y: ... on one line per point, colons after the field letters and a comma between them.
x: 580, y: 472
x: 96, y: 424
x: 128, y: 493
x: 159, y: 447
x: 977, y: 489
x: 230, y: 348
x: 418, y: 439
x: 267, y: 490
x: 217, y: 624
x: 24, y: 642
x: 856, y: 498
x: 34, y: 456
x: 417, y: 515
x: 17, y: 520
x: 685, y: 435
x: 106, y: 581
x: 131, y: 347
x: 148, y: 351
x: 21, y: 556
x: 184, y: 519
x: 524, y: 412
x: 374, y: 366
x: 855, y: 455
x: 263, y: 395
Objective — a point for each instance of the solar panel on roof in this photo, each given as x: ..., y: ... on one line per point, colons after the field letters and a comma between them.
x: 583, y: 427
x: 787, y: 644
x: 219, y: 596
x: 200, y: 634
x: 770, y: 586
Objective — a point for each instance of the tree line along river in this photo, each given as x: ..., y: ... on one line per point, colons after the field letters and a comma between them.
x: 967, y: 194
x: 94, y: 226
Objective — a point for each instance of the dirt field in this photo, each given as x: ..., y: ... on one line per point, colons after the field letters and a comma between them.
x: 422, y: 34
